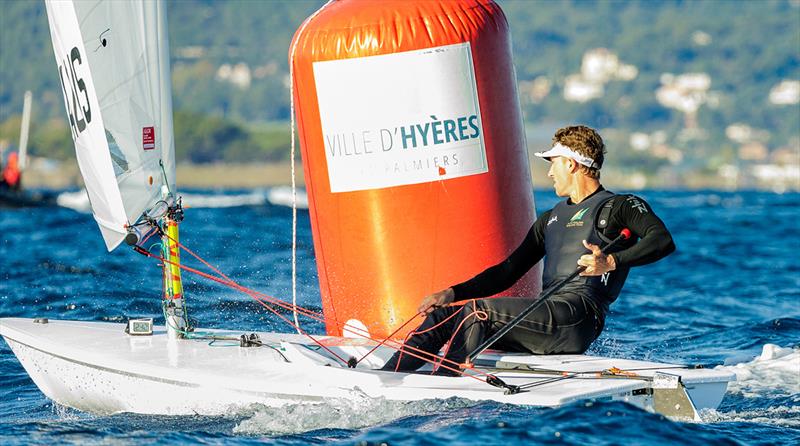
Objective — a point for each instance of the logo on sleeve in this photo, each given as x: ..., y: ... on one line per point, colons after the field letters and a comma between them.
x: 576, y: 220
x: 637, y: 204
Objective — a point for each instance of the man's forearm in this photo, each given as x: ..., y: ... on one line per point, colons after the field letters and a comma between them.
x: 655, y: 244
x: 502, y: 276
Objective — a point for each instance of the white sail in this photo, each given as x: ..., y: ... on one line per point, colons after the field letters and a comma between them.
x: 24, y: 128
x: 113, y: 63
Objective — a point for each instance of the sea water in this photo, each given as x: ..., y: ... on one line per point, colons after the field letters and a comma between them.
x: 729, y: 298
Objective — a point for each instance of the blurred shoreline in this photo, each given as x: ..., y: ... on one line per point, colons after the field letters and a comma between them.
x: 50, y: 174
x: 64, y: 175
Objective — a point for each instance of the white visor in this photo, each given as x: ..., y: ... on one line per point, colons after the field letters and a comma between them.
x: 561, y: 150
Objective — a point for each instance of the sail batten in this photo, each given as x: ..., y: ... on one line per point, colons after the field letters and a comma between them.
x: 113, y: 63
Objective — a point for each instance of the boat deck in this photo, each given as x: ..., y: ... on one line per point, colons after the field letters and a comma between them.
x: 97, y: 366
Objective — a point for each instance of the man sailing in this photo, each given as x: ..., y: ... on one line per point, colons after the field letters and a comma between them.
x: 11, y: 174
x: 569, y: 235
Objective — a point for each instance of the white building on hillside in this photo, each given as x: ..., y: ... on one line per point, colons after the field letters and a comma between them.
x: 598, y: 67
x: 785, y: 93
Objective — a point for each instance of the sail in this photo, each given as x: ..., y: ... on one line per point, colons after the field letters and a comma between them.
x: 113, y: 66
x: 24, y: 128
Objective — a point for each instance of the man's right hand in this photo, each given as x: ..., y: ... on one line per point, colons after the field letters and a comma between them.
x: 436, y: 300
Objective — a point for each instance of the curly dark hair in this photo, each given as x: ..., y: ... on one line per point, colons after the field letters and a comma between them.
x: 586, y: 141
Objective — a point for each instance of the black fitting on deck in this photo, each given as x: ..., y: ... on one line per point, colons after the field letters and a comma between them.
x: 249, y: 341
x: 131, y: 238
x: 497, y: 382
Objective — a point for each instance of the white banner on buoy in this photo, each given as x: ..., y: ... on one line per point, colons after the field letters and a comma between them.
x: 398, y: 119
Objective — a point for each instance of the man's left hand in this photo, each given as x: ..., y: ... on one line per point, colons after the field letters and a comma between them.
x: 596, y: 263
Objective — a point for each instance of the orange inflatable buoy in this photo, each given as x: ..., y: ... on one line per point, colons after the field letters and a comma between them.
x: 414, y: 153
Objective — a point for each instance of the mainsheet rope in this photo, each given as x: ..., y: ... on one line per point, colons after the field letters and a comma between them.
x: 293, y: 157
x: 258, y: 296
x: 245, y: 290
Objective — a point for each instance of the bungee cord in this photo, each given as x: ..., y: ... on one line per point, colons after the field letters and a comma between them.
x: 235, y: 285
x: 479, y: 315
x: 267, y: 300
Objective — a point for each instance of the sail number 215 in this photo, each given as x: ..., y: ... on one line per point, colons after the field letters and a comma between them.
x: 76, y: 96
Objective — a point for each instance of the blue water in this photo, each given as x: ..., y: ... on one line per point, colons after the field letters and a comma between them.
x: 732, y: 287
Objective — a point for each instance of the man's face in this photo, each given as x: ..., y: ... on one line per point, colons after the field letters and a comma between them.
x: 561, y: 175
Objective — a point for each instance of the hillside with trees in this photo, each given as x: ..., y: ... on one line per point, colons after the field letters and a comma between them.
x: 682, y: 85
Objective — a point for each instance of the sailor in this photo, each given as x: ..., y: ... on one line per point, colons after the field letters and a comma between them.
x: 569, y: 235
x: 11, y: 173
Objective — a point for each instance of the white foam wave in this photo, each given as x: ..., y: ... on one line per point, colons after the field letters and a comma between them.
x: 64, y: 413
x: 77, y: 201
x: 223, y: 201
x: 356, y: 412
x: 785, y: 416
x: 282, y: 196
x: 775, y: 371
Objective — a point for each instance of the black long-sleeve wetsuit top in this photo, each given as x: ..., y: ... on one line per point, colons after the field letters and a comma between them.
x: 655, y: 242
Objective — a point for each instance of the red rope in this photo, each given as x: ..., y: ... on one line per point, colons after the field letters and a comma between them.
x: 479, y: 314
x: 257, y: 296
x: 406, y: 350
x: 272, y: 300
x: 387, y: 337
x: 253, y: 294
x: 245, y: 290
x: 412, y: 333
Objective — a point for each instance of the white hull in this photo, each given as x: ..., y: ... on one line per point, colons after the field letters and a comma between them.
x: 97, y: 367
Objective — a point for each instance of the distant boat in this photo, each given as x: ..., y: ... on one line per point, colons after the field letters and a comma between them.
x: 125, y: 152
x: 12, y: 199
x: 14, y: 195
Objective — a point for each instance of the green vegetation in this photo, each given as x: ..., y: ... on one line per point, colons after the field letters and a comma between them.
x: 748, y: 47
x: 208, y: 138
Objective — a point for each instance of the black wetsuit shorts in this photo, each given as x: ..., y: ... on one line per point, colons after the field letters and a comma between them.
x: 567, y: 323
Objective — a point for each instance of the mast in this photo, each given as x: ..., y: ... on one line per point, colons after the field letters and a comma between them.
x: 114, y: 72
x: 174, y: 302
